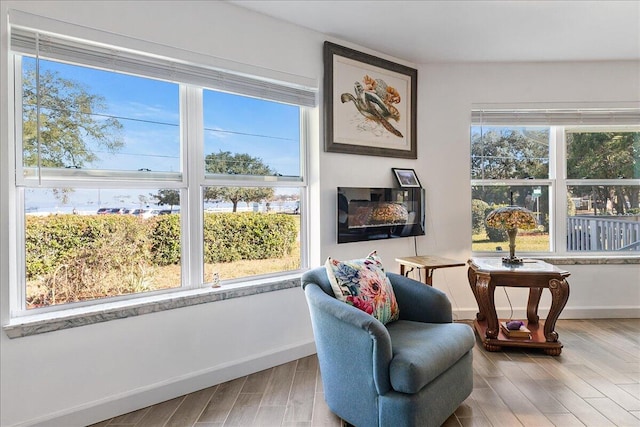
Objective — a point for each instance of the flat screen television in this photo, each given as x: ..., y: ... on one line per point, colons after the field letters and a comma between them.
x: 366, y: 213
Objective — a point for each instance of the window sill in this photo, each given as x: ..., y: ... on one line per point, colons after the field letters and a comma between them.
x: 590, y: 260
x: 571, y: 259
x: 41, y: 323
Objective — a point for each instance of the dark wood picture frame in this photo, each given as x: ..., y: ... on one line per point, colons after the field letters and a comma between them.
x: 370, y: 104
x: 407, y: 178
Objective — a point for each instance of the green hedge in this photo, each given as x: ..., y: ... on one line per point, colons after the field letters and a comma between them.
x: 52, y: 241
x: 478, y: 215
x: 248, y: 236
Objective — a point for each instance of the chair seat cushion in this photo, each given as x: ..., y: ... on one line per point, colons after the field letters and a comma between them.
x: 423, y: 351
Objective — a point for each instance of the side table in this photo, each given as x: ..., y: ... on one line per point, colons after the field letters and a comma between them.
x: 429, y: 263
x: 487, y: 273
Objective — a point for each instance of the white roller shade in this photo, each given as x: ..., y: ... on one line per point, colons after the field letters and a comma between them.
x: 557, y: 117
x: 64, y: 49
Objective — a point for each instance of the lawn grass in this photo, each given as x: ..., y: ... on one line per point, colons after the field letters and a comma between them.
x: 525, y: 242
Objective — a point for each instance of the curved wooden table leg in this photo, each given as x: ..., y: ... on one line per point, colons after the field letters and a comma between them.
x: 532, y: 305
x: 485, y: 294
x: 559, y: 296
x: 472, y: 283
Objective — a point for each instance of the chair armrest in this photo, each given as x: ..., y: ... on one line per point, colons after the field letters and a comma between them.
x: 349, y: 342
x: 420, y: 302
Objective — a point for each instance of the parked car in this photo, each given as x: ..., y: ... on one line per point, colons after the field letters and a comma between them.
x: 145, y: 213
x: 169, y: 211
x: 117, y: 211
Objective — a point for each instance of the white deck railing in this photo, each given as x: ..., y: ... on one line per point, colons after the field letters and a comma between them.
x: 601, y: 233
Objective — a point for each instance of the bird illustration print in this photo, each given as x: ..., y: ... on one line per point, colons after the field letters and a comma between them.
x: 374, y: 99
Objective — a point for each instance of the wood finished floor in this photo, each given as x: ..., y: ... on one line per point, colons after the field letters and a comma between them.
x: 595, y: 382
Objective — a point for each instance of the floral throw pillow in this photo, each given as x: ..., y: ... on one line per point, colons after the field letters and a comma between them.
x: 363, y: 284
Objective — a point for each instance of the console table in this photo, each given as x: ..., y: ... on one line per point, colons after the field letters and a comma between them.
x: 429, y: 263
x: 487, y: 273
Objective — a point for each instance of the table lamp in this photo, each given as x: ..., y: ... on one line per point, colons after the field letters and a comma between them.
x: 510, y: 218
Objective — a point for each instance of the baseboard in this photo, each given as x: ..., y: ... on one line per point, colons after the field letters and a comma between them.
x: 133, y: 400
x: 567, y: 313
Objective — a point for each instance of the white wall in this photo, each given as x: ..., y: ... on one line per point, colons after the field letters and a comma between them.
x: 88, y: 373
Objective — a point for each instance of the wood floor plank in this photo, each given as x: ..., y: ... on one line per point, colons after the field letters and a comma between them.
x: 595, y: 382
x: 469, y: 409
x: 579, y: 407
x: 244, y: 410
x: 534, y: 392
x: 526, y: 411
x: 322, y: 415
x: 129, y: 419
x: 279, y: 385
x: 632, y: 389
x: 257, y: 383
x: 309, y: 363
x: 159, y: 414
x: 496, y: 411
x: 482, y: 364
x: 452, y: 421
x: 613, y: 412
x: 222, y: 401
x: 607, y: 388
x: 566, y: 375
x: 474, y: 422
x: 191, y: 407
x: 300, y: 407
x: 564, y: 420
x: 269, y: 416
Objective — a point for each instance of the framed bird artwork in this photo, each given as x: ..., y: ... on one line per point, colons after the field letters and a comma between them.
x: 369, y: 104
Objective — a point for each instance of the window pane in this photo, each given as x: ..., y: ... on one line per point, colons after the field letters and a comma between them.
x: 603, y: 155
x: 509, y: 152
x: 250, y: 231
x: 85, y: 244
x: 248, y: 136
x: 603, y: 218
x: 94, y: 119
x: 487, y: 198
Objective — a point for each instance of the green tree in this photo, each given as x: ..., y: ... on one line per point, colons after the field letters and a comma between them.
x: 224, y: 162
x: 70, y: 131
x: 504, y: 153
x: 509, y: 153
x: 605, y: 155
x: 168, y: 197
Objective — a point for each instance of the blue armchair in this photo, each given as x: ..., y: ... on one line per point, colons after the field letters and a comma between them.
x: 414, y: 371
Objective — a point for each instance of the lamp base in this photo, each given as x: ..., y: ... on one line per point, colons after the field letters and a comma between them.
x: 512, y: 260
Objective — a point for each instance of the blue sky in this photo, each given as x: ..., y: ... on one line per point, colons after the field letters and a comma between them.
x: 149, y: 112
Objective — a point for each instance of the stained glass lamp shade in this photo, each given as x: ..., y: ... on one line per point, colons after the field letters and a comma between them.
x: 510, y: 218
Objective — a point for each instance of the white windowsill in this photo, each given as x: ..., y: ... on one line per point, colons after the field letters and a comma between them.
x: 570, y: 259
x: 589, y: 260
x: 54, y: 321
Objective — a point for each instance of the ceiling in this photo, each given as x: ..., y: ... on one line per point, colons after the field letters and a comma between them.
x: 472, y: 31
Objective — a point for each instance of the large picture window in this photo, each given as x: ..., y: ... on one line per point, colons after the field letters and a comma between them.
x: 582, y: 182
x: 138, y: 174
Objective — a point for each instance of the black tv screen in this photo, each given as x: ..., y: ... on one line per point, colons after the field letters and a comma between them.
x: 366, y: 213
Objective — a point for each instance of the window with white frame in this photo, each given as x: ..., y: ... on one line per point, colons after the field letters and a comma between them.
x: 577, y: 170
x: 137, y: 173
